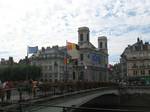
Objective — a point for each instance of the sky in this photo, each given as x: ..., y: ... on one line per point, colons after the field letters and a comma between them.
x: 51, y: 22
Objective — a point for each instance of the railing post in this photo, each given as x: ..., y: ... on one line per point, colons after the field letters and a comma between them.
x: 20, y: 107
x: 20, y: 93
x: 64, y: 109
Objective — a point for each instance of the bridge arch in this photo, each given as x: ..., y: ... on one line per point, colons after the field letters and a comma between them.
x: 80, y: 98
x: 103, y: 101
x: 99, y: 93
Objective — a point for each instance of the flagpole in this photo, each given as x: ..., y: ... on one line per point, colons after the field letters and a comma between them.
x: 27, y: 77
x: 27, y: 54
x: 66, y: 77
x: 27, y: 51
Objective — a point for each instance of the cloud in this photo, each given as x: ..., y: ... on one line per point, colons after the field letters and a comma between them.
x: 51, y: 22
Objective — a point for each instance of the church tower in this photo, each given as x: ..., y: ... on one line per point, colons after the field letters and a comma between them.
x: 102, y: 44
x: 83, y: 35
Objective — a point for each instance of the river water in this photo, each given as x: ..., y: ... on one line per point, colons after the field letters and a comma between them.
x: 136, y: 102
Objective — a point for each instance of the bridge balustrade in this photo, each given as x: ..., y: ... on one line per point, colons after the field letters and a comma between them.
x: 24, y: 92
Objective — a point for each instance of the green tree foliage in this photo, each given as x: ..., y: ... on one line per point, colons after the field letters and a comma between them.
x: 19, y: 72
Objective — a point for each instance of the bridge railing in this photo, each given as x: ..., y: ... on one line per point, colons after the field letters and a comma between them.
x: 24, y: 92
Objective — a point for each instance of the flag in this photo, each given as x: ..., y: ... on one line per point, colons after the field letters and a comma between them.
x: 95, y: 58
x: 110, y: 67
x: 66, y: 60
x: 73, y: 50
x: 32, y: 49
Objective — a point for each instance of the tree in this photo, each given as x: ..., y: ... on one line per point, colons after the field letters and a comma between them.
x: 20, y: 72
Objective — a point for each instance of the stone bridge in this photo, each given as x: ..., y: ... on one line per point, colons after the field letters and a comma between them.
x: 135, y: 90
x: 76, y: 99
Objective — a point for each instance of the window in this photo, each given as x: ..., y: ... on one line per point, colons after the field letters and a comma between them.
x: 55, y: 63
x: 61, y: 68
x: 135, y: 72
x: 88, y: 56
x: 88, y: 37
x: 73, y: 75
x: 50, y: 80
x: 34, y: 63
x: 145, y: 47
x: 45, y: 67
x: 106, y: 45
x: 45, y: 75
x: 81, y: 75
x: 55, y: 74
x: 50, y: 75
x: 50, y: 68
x: 149, y: 72
x: 81, y: 57
x: 101, y: 45
x: 81, y: 37
x: 134, y: 66
x: 56, y: 80
x: 142, y: 72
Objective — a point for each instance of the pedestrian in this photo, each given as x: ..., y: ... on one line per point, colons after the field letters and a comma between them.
x: 34, y: 87
x: 8, y: 86
x: 20, y: 90
x: 2, y: 94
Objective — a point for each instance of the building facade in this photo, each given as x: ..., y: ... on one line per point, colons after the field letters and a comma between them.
x: 93, y: 60
x: 51, y: 60
x: 10, y: 61
x: 91, y: 65
x: 135, y: 61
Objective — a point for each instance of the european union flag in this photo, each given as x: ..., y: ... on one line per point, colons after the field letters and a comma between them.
x: 32, y: 49
x: 95, y: 58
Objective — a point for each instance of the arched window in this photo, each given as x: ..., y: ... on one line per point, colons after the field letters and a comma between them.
x: 88, y: 37
x: 101, y: 45
x: 105, y: 44
x: 81, y: 37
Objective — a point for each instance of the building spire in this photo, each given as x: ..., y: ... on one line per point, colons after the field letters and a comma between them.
x: 138, y: 39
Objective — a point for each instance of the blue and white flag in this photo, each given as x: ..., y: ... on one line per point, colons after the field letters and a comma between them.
x: 32, y: 49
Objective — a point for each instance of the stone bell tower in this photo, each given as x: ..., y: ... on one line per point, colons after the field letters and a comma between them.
x: 102, y: 44
x: 83, y: 35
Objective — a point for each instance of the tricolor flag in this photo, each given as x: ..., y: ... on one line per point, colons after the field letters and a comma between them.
x: 67, y: 60
x: 110, y: 67
x: 32, y: 49
x: 73, y: 50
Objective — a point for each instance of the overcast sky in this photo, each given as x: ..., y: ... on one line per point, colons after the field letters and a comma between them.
x: 51, y: 22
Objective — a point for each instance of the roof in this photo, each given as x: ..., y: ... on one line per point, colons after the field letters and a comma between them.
x: 87, y: 45
x: 136, y: 47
